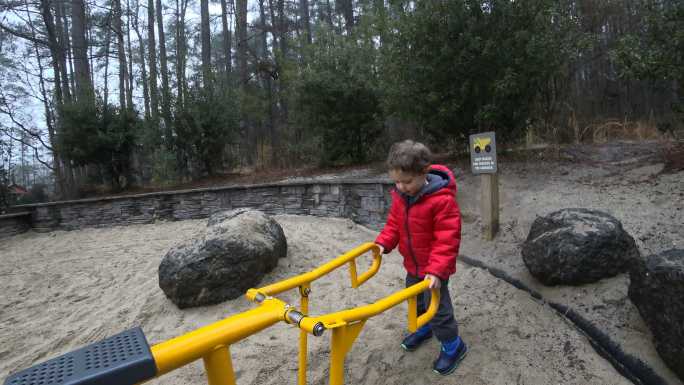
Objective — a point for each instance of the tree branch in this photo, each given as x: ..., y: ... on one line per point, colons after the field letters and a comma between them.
x: 34, y: 148
x: 23, y: 35
x: 8, y: 111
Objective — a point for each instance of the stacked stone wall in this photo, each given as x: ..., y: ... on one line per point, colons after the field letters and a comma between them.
x: 15, y: 223
x: 365, y: 202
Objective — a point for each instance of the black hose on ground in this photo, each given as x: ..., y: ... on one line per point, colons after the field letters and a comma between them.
x: 629, y: 366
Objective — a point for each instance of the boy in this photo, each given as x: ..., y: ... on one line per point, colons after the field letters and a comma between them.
x: 425, y: 221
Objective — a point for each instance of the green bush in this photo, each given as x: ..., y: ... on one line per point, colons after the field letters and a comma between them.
x: 95, y: 134
x: 339, y: 101
x: 164, y: 167
x: 458, y: 67
x: 203, y: 126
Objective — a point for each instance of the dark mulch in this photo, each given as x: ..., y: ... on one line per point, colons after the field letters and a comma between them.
x: 674, y: 158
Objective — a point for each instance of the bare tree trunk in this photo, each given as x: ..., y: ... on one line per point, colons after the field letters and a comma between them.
x: 85, y: 93
x: 266, y: 79
x: 304, y: 5
x: 226, y: 39
x: 206, y: 43
x: 181, y: 8
x: 129, y: 94
x: 329, y: 13
x: 241, y: 29
x: 182, y: 160
x: 282, y: 27
x: 57, y: 52
x: 282, y: 83
x: 152, y: 51
x: 381, y: 20
x: 346, y: 8
x: 66, y: 42
x: 242, y: 41
x: 90, y: 36
x: 108, y: 39
x: 62, y: 36
x: 264, y: 41
x: 143, y: 74
x: 146, y: 90
x: 84, y: 85
x: 184, y: 46
x: 69, y: 188
x: 121, y: 53
x: 274, y: 33
x: 63, y: 190
x: 163, y: 67
x: 278, y: 110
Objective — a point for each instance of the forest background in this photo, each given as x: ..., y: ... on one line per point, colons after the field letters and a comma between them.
x: 154, y: 93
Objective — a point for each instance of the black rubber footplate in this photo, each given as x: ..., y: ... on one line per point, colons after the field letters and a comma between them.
x: 123, y: 359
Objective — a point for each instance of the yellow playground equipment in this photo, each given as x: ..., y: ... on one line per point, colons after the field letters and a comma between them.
x: 480, y: 144
x: 126, y: 358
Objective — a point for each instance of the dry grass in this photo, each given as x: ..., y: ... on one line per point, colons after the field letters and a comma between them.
x: 605, y: 131
x: 602, y: 132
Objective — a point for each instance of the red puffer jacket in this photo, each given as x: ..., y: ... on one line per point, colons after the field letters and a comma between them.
x: 427, y: 227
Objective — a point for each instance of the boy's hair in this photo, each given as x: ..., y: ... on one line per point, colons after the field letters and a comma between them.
x: 409, y: 156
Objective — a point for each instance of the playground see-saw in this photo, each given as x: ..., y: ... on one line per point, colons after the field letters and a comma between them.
x: 127, y: 358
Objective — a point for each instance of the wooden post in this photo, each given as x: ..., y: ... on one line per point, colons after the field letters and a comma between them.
x: 489, y: 204
x: 483, y: 163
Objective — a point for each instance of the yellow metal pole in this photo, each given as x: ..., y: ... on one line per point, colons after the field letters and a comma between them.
x: 352, y: 273
x: 413, y: 314
x: 431, y: 310
x: 333, y: 320
x: 304, y: 291
x: 182, y: 350
x: 343, y: 338
x: 219, y: 367
x: 322, y: 270
x: 212, y: 342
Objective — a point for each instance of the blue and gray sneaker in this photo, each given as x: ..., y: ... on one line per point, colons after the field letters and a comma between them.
x: 414, y: 340
x: 451, y: 354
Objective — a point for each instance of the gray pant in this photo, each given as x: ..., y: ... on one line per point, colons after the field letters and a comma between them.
x: 443, y: 324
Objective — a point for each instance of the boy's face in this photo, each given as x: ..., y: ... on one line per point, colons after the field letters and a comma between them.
x: 407, y: 182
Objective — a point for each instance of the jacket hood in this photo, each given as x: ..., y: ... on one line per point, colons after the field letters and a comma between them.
x: 439, y: 177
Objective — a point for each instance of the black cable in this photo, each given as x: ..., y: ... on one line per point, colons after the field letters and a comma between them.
x: 632, y: 368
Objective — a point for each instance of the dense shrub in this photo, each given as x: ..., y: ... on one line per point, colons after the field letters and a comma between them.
x: 339, y: 100
x: 100, y: 135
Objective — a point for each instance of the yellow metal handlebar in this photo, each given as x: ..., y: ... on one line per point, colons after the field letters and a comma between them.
x: 306, y: 278
x: 212, y: 342
x: 415, y: 321
x: 357, y: 281
x: 182, y: 350
x: 341, y: 318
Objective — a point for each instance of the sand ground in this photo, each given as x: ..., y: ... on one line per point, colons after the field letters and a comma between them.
x: 649, y: 203
x: 62, y: 290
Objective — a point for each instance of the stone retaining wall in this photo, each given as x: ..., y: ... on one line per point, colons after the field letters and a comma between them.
x: 365, y: 202
x: 16, y: 223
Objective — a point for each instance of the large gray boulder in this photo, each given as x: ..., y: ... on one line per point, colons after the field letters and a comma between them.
x: 657, y: 289
x: 236, y: 250
x: 576, y: 246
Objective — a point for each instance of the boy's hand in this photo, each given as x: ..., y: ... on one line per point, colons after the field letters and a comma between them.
x: 435, y: 282
x: 382, y: 249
